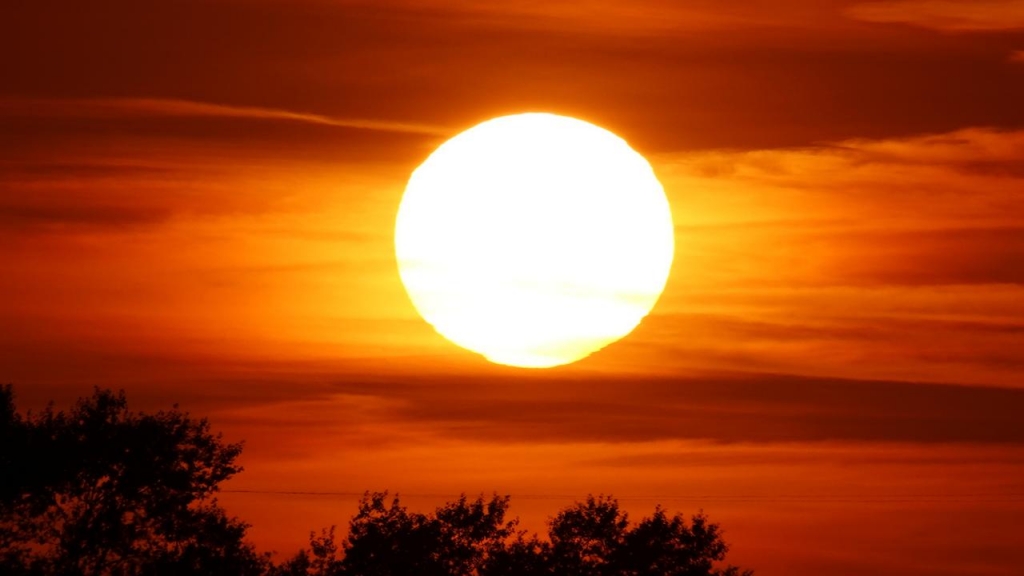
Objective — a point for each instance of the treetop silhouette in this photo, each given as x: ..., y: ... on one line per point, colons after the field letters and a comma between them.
x: 103, y: 491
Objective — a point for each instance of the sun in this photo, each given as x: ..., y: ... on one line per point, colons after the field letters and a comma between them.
x: 534, y: 239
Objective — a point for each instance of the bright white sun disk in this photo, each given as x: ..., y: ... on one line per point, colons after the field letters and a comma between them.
x: 534, y: 239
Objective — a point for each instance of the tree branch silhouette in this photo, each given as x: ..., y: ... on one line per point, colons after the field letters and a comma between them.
x: 100, y: 490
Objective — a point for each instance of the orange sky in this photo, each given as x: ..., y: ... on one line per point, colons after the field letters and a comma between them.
x: 197, y: 202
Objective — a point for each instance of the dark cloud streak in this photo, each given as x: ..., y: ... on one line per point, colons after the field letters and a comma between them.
x: 691, y: 89
x: 750, y: 408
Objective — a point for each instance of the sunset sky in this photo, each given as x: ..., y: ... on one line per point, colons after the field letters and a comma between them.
x: 198, y: 202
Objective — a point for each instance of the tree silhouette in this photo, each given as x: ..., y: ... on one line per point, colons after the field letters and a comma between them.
x: 100, y: 490
x: 587, y: 537
x: 472, y: 538
x: 103, y: 491
x: 668, y: 546
x: 386, y: 539
x: 520, y: 556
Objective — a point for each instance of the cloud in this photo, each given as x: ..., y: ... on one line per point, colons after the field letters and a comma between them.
x: 667, y: 75
x: 114, y: 194
x: 120, y: 107
x: 887, y: 259
x: 946, y: 15
x: 752, y: 408
x: 961, y: 148
x: 109, y: 216
x: 116, y: 164
x: 279, y: 404
x: 891, y: 258
x: 83, y: 194
x: 932, y: 209
x: 610, y: 16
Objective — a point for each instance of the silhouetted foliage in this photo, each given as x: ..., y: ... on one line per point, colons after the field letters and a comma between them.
x: 587, y: 538
x: 386, y: 539
x: 464, y: 538
x: 521, y: 556
x: 668, y: 546
x: 322, y: 561
x: 100, y: 490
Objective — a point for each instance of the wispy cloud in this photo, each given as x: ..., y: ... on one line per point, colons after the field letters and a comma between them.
x: 755, y: 408
x: 866, y: 242
x: 119, y: 107
x: 940, y: 209
x: 950, y: 15
x: 611, y: 16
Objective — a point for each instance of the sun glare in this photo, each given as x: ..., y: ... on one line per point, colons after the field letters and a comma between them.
x: 534, y: 239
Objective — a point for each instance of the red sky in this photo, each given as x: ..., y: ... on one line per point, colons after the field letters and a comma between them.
x: 197, y: 202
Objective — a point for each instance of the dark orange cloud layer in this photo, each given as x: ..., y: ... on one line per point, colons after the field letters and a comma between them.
x: 951, y: 15
x: 197, y: 202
